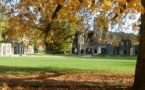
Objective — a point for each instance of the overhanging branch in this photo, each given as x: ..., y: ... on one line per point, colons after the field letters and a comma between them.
x: 58, y: 8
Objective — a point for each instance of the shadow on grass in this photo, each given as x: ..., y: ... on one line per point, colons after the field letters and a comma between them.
x: 37, y: 70
x: 41, y: 80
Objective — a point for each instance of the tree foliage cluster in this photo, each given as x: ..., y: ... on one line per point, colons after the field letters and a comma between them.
x: 25, y: 14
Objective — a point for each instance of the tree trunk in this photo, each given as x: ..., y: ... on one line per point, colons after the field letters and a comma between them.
x: 78, y: 43
x: 139, y: 80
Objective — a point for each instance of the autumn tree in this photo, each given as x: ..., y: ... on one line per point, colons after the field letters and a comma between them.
x: 61, y: 36
x: 24, y: 13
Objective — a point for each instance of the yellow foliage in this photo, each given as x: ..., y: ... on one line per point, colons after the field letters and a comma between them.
x: 44, y: 1
x: 107, y: 5
x: 101, y: 22
x: 61, y: 14
x: 89, y: 2
x: 49, y: 20
x: 117, y: 9
x: 58, y: 1
x: 72, y: 18
x: 140, y: 8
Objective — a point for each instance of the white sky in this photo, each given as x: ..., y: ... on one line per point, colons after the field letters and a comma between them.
x: 127, y: 28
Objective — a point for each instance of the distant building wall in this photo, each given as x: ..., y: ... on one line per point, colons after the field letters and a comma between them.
x: 88, y: 45
x: 5, y: 49
x: 16, y: 48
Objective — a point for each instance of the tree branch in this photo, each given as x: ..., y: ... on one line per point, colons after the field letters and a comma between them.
x: 35, y: 26
x: 58, y: 8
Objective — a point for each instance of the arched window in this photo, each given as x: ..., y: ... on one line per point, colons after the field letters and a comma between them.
x: 125, y: 52
x: 73, y: 50
x: 103, y: 51
x: 15, y: 50
x: 82, y: 51
x: 87, y: 51
x: 95, y: 50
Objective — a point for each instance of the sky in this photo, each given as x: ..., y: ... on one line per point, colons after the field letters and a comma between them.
x: 127, y: 27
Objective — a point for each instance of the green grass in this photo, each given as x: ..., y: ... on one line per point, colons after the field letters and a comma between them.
x: 95, y: 64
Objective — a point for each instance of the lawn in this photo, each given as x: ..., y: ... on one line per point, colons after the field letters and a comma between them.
x: 97, y: 64
x: 64, y: 72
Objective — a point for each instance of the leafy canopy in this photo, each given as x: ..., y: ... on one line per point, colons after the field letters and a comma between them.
x: 36, y: 19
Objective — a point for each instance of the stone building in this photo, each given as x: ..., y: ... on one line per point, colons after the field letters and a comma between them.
x: 89, y: 45
x: 19, y: 48
x: 5, y: 49
x: 15, y: 48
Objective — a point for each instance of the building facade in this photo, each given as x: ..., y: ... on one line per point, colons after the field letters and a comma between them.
x: 5, y: 49
x: 89, y: 45
x: 15, y: 48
